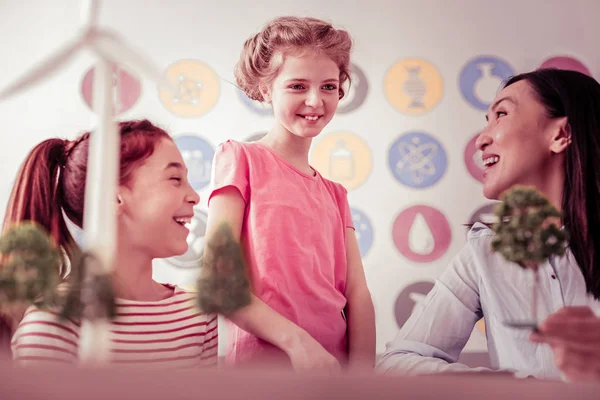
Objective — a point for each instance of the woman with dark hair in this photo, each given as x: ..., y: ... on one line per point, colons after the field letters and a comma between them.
x: 543, y: 130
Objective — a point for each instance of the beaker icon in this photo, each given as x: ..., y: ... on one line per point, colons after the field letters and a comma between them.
x: 341, y: 162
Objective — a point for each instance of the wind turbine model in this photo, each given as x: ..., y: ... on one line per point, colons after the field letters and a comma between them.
x: 99, y: 218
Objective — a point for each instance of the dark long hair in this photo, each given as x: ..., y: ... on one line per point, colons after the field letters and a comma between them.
x: 576, y: 96
x: 51, y: 181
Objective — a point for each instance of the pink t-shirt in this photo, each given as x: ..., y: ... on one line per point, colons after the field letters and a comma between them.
x: 294, y: 238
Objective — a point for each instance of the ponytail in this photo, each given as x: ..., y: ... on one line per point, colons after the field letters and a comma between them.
x: 37, y: 196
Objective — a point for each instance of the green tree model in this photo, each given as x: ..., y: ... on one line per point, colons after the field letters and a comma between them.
x: 527, y: 231
x: 29, y: 267
x: 223, y: 285
x: 30, y: 273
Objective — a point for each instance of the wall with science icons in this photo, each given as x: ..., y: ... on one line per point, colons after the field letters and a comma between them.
x: 403, y: 139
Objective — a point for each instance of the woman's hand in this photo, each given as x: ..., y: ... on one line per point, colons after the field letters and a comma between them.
x: 573, y: 333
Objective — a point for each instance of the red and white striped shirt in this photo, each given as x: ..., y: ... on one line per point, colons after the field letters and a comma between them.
x: 169, y: 333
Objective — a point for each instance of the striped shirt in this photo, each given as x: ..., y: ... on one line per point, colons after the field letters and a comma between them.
x: 169, y: 333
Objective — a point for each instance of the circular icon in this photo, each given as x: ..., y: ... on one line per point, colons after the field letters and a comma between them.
x: 357, y: 93
x: 195, y: 240
x: 413, y: 86
x: 344, y: 158
x: 421, y: 234
x: 363, y: 230
x: 484, y: 214
x: 258, y: 107
x: 255, y: 137
x: 410, y: 298
x: 417, y: 160
x: 481, y: 79
x: 473, y: 160
x: 126, y: 89
x: 198, y: 155
x: 566, y: 62
x: 193, y: 88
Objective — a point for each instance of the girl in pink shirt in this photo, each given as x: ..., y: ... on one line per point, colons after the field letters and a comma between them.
x: 310, y: 307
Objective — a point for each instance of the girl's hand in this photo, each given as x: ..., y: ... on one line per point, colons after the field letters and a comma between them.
x: 307, y: 354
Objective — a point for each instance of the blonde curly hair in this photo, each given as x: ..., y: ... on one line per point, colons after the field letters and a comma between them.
x: 264, y: 53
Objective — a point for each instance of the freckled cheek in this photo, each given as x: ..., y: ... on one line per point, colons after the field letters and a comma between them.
x: 330, y: 108
x: 291, y: 107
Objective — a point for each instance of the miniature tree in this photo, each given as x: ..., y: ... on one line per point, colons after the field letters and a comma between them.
x: 30, y: 267
x: 223, y: 285
x: 528, y: 232
x: 30, y: 273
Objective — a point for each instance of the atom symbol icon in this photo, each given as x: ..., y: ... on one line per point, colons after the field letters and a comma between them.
x: 188, y: 91
x: 417, y: 158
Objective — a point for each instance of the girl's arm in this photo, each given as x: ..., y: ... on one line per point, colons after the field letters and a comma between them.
x: 359, y: 309
x: 227, y: 206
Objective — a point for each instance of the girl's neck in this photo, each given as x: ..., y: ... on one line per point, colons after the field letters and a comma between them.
x: 132, y: 277
x: 292, y: 148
